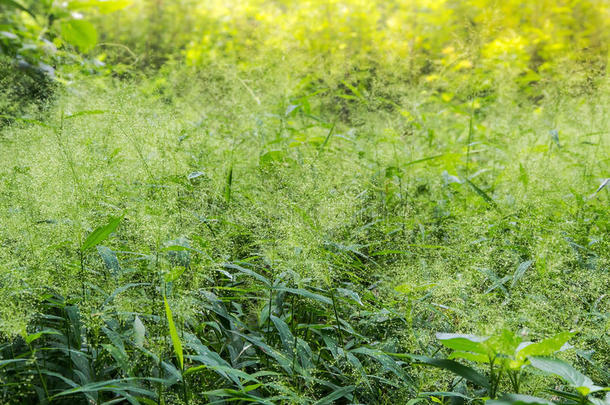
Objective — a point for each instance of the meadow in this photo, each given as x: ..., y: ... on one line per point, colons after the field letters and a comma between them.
x: 312, y: 203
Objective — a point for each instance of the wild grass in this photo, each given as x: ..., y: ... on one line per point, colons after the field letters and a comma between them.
x: 279, y: 241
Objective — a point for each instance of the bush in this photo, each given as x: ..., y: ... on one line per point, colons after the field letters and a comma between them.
x: 23, y: 89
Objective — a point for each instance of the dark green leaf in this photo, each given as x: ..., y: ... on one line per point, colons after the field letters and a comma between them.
x: 468, y: 373
x: 249, y: 272
x: 337, y: 394
x: 516, y: 399
x: 110, y: 259
x: 228, y: 185
x: 481, y: 193
x: 307, y: 294
x: 350, y: 294
x: 285, y: 334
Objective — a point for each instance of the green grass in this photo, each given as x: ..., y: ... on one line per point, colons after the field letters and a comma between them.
x: 429, y: 210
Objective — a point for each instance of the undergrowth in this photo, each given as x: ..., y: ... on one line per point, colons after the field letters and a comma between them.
x: 214, y: 237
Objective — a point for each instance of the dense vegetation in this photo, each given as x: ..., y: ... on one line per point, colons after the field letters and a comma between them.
x: 309, y: 202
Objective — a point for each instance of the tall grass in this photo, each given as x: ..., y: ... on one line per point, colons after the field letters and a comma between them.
x: 175, y: 241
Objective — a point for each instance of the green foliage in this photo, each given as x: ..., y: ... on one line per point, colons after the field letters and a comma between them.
x: 506, y: 354
x: 25, y: 92
x: 573, y: 377
x: 79, y: 33
x: 264, y: 362
x: 42, y: 34
x: 100, y: 234
x: 40, y: 43
x: 314, y: 213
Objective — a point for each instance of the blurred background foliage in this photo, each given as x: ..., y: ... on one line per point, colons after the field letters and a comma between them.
x: 463, y: 52
x: 442, y: 42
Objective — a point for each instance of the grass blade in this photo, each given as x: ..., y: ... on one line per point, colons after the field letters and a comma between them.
x: 467, y: 373
x: 481, y: 193
x: 335, y: 395
x: 520, y: 272
x: 173, y: 333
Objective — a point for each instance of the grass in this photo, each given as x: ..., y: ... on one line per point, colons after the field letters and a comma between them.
x: 467, y: 216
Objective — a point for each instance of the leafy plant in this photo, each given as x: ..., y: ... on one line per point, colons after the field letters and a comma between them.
x: 584, y: 387
x: 39, y: 34
x: 504, y: 355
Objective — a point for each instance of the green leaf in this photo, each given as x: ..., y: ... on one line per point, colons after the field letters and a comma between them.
x: 119, y: 387
x: 26, y: 120
x: 10, y: 361
x: 598, y: 401
x: 279, y: 357
x: 85, y: 112
x: 497, y: 281
x: 467, y: 373
x: 237, y: 374
x: 249, y: 272
x: 413, y: 162
x: 35, y: 336
x: 476, y: 357
x: 480, y: 192
x: 463, y: 343
x: 139, y: 332
x: 517, y: 399
x: 173, y: 333
x: 583, y: 384
x: 445, y: 394
x: 545, y: 347
x: 234, y: 395
x: 271, y: 156
x: 335, y: 395
x: 384, y: 359
x: 177, y: 248
x: 350, y: 294
x: 110, y: 259
x: 330, y: 133
x: 195, y: 369
x: 307, y: 294
x: 285, y: 334
x: 174, y: 274
x: 504, y: 343
x: 520, y: 272
x: 523, y: 177
x: 141, y: 400
x: 354, y: 90
x: 603, y: 184
x: 120, y: 290
x: 79, y: 33
x: 100, y: 234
